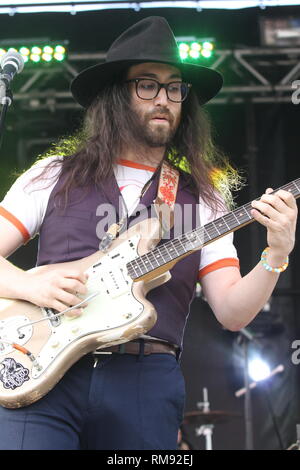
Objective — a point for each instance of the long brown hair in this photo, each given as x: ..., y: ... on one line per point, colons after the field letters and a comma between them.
x: 90, y: 154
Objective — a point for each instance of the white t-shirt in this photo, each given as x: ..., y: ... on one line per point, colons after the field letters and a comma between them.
x: 25, y: 207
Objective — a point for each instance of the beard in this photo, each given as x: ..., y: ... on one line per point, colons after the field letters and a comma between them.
x: 154, y: 134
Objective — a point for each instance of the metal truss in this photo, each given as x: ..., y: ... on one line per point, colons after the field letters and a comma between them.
x: 258, y: 75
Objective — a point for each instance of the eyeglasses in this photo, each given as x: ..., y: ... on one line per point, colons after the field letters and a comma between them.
x: 148, y: 89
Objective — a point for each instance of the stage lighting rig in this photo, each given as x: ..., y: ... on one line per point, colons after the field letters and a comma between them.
x: 37, y: 51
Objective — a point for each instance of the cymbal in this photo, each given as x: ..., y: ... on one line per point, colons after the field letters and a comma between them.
x: 208, y: 417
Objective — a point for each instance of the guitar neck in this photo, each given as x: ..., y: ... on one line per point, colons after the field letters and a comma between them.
x: 163, y: 257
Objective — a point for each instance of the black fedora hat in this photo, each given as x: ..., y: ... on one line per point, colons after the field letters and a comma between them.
x: 149, y: 40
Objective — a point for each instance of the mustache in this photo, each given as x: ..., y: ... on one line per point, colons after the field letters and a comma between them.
x: 161, y: 112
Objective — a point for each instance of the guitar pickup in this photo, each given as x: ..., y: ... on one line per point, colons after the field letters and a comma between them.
x: 115, y: 283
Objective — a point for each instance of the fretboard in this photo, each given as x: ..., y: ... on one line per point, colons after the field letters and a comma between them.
x: 197, y: 238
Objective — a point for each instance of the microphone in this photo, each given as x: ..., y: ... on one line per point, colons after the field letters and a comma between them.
x: 11, y: 63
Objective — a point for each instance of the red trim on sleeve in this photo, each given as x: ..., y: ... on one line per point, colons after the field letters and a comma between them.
x: 11, y: 218
x: 221, y: 263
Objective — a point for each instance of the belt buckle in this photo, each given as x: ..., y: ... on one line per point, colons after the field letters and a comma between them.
x: 148, y: 348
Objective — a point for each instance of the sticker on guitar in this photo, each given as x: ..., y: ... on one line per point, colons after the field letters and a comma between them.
x: 13, y: 374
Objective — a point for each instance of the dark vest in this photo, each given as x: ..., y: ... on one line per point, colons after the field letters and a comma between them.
x: 68, y: 234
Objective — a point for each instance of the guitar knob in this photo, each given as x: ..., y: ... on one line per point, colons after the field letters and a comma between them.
x: 75, y: 330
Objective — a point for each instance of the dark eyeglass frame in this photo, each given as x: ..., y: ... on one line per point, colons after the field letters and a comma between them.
x: 160, y: 86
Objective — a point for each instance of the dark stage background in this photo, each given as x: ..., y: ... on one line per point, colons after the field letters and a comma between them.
x: 262, y: 141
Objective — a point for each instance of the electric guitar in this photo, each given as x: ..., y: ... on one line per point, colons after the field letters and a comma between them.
x: 38, y: 345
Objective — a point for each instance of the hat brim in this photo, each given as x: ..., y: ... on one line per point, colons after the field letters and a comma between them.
x: 88, y: 84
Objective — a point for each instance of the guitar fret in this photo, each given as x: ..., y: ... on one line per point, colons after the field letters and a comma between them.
x: 248, y: 208
x: 226, y: 223
x: 187, y: 241
x: 142, y: 260
x: 236, y: 218
x: 216, y: 228
x: 248, y: 216
x: 200, y: 236
x: 178, y: 247
x: 154, y: 258
x: 232, y: 220
x: 173, y: 244
x: 163, y: 247
x: 149, y: 260
x: 220, y: 224
x: 181, y: 245
x: 206, y: 233
x: 209, y: 230
x: 169, y: 249
x: 295, y: 184
x: 132, y: 265
x: 159, y: 248
x: 157, y: 257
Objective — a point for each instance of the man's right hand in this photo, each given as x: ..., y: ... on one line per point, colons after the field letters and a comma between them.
x: 56, y: 288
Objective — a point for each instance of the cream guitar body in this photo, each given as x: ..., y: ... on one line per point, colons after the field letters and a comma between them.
x: 37, y: 346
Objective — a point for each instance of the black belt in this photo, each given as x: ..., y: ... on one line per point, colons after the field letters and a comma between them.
x: 145, y: 347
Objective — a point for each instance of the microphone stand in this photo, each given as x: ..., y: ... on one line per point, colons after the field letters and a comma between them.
x: 6, y: 99
x: 246, y: 337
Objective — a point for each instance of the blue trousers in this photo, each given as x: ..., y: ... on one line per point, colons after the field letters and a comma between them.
x: 125, y: 402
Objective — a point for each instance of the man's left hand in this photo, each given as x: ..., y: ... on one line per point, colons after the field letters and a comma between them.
x: 278, y: 213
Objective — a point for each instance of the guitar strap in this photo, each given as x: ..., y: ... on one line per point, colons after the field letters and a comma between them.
x: 163, y: 204
x: 166, y: 196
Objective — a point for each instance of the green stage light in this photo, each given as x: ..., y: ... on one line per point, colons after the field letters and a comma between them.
x: 48, y: 50
x: 183, y: 50
x: 195, y: 49
x: 35, y: 58
x: 208, y: 45
x: 24, y: 51
x: 184, y: 47
x: 206, y: 53
x: 37, y: 53
x: 59, y: 57
x: 196, y: 46
x: 194, y: 54
x: 36, y: 50
x: 47, y: 57
x: 60, y: 49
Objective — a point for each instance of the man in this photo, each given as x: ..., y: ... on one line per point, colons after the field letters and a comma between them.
x: 143, y: 108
